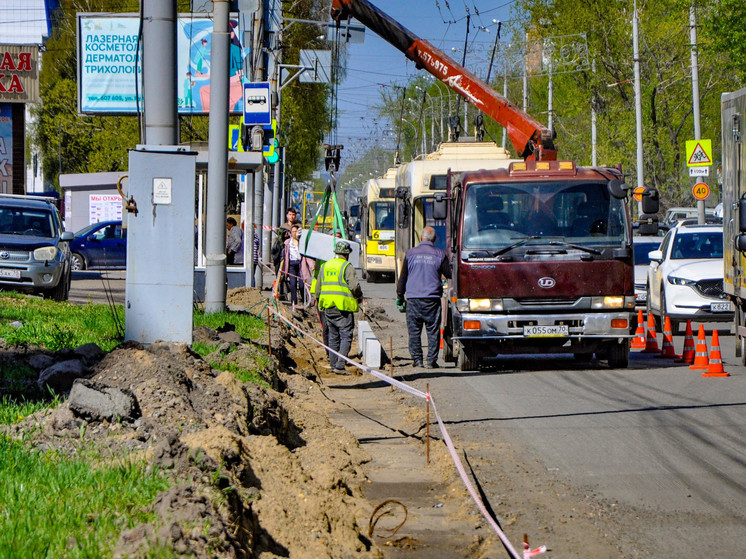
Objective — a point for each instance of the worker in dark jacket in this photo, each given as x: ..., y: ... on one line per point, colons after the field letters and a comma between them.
x: 339, y: 296
x: 421, y: 279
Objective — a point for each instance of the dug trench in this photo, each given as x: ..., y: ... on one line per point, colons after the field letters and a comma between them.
x: 256, y: 471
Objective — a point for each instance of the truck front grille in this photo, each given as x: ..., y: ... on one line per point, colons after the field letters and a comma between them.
x: 548, y: 302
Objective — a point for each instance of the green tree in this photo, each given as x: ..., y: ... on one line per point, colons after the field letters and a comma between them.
x: 723, y: 28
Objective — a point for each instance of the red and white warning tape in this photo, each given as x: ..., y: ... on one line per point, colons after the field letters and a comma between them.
x: 446, y: 438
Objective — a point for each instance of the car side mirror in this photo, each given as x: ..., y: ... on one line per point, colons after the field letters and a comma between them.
x: 618, y: 189
x: 650, y: 203
x: 67, y: 236
x: 655, y: 256
x: 648, y: 224
x: 440, y: 207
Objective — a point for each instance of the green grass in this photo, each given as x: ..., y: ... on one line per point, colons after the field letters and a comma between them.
x: 56, y: 326
x: 48, y: 499
x: 248, y: 325
x: 13, y: 411
x: 244, y: 375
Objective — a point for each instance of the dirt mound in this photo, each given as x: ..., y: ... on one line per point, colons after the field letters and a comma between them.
x: 256, y: 474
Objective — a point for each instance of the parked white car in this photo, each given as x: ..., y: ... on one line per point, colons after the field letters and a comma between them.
x: 643, y: 246
x: 685, y: 277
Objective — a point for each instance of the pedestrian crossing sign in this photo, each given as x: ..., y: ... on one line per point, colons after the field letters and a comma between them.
x: 698, y: 153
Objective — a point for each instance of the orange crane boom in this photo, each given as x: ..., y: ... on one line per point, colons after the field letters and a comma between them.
x: 530, y: 138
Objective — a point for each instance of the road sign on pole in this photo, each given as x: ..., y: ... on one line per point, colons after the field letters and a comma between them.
x: 699, y: 171
x: 638, y: 192
x: 698, y: 153
x: 701, y: 191
x: 256, y: 104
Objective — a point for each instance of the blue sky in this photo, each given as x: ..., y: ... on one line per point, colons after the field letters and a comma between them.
x: 376, y: 64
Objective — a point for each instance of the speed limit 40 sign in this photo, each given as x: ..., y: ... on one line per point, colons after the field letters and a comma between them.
x: 701, y: 191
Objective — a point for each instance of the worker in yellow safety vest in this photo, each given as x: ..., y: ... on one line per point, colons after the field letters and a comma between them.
x: 338, y: 293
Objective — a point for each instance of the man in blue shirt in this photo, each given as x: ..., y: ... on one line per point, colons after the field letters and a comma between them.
x: 421, y: 280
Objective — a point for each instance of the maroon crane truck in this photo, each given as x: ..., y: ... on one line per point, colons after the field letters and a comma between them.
x: 541, y: 252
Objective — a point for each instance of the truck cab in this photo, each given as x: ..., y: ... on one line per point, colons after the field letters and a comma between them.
x: 542, y: 262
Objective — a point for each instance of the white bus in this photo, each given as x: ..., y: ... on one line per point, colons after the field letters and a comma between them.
x: 418, y: 181
x: 377, y: 226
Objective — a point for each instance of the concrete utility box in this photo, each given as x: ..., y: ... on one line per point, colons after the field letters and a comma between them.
x: 160, y: 245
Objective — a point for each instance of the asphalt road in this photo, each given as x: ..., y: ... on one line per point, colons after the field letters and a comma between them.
x: 97, y: 286
x: 662, y: 443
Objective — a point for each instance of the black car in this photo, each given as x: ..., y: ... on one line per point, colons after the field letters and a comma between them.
x: 100, y: 245
x: 34, y: 248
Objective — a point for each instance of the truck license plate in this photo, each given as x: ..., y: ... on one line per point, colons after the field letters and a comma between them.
x: 558, y: 330
x: 642, y: 296
x: 721, y: 307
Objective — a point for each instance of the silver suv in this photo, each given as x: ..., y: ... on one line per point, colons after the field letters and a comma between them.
x: 34, y: 249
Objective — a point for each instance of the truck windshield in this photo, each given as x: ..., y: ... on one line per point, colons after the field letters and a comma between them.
x: 581, y: 213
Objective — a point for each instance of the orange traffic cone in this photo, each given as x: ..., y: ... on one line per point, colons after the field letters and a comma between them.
x: 651, y: 342
x: 688, y: 355
x: 668, y: 349
x: 638, y: 342
x: 441, y: 338
x: 700, y: 354
x: 715, y: 368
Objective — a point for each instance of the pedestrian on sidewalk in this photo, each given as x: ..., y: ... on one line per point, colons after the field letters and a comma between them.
x: 421, y: 280
x: 339, y: 295
x: 234, y: 242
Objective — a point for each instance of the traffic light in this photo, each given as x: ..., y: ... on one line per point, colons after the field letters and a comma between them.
x: 273, y: 155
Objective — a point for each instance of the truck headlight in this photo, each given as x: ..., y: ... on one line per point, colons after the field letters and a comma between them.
x: 45, y: 253
x: 680, y: 281
x: 613, y: 302
x: 479, y: 305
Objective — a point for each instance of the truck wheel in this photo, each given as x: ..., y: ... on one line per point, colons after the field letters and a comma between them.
x: 467, y: 358
x: 448, y: 355
x: 618, y: 355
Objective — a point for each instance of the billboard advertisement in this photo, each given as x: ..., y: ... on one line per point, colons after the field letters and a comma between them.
x: 108, y: 62
x: 6, y: 148
x: 19, y: 74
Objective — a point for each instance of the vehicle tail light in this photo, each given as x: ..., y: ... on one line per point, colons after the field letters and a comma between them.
x: 472, y: 324
x: 619, y: 323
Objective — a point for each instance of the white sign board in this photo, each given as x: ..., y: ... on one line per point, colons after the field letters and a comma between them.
x: 103, y: 207
x: 699, y: 171
x: 161, y: 190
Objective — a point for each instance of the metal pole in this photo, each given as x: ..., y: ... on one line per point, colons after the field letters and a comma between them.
x: 695, y: 96
x: 525, y: 76
x: 217, y: 161
x: 259, y: 191
x: 594, y: 132
x: 505, y: 94
x: 159, y: 72
x: 550, y: 96
x: 638, y: 102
